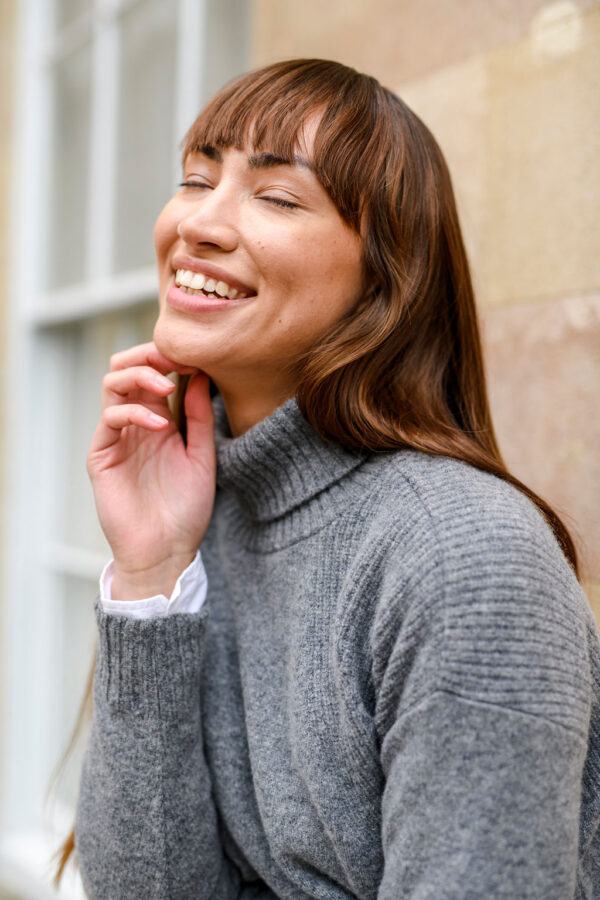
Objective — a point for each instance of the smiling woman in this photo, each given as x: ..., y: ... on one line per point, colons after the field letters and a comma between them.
x: 342, y: 651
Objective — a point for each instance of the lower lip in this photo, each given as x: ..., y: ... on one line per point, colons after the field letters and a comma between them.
x: 197, y: 303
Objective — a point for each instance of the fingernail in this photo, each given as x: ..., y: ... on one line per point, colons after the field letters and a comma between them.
x: 162, y: 382
x: 158, y: 419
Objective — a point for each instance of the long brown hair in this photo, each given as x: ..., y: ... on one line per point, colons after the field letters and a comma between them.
x: 404, y: 369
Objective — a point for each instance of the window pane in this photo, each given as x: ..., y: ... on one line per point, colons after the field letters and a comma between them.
x: 145, y: 143
x: 66, y: 11
x: 68, y: 181
x: 87, y: 350
x: 78, y: 633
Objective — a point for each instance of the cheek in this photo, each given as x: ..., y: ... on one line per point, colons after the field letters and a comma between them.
x: 165, y: 230
x: 303, y: 263
x: 337, y: 272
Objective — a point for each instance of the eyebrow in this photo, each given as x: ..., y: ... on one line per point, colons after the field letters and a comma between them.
x: 270, y: 160
x: 261, y: 160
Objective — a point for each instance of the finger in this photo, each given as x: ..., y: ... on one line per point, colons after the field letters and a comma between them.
x: 116, y: 386
x: 199, y: 417
x: 147, y: 354
x: 116, y: 418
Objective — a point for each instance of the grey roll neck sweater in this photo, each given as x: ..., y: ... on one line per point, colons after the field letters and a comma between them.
x: 393, y: 691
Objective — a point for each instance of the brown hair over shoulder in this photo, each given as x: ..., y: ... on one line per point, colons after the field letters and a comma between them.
x: 404, y: 369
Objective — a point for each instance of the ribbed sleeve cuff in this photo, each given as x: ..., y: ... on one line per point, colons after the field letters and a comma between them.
x: 149, y: 667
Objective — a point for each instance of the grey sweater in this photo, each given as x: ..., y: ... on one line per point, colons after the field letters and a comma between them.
x: 393, y: 691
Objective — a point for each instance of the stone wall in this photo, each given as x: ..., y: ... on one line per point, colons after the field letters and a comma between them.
x: 510, y: 90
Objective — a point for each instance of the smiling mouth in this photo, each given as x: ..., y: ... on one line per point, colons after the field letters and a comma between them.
x: 196, y: 283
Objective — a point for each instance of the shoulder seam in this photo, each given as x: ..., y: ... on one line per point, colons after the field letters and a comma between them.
x: 486, y: 703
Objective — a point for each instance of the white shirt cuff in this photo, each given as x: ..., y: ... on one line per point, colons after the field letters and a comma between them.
x: 188, y: 595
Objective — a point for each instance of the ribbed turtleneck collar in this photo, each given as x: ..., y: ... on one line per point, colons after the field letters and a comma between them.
x: 278, y: 464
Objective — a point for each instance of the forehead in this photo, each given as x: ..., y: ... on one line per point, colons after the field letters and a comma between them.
x: 255, y: 135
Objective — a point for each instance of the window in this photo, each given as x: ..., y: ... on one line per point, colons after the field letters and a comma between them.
x: 107, y: 90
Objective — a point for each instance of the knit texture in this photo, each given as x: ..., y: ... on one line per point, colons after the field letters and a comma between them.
x: 393, y: 691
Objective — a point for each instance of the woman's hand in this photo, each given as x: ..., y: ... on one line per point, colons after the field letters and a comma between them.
x: 153, y: 494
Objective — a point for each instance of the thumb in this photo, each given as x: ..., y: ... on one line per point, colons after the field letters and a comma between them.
x: 199, y: 418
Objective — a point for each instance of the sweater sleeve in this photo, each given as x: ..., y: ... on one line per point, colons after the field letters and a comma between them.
x: 480, y: 801
x: 484, y: 706
x: 146, y: 824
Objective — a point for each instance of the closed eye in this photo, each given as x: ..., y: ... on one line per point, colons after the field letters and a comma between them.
x: 279, y: 202
x: 286, y: 204
x: 196, y: 184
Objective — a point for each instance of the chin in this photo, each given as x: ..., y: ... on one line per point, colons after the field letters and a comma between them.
x: 172, y: 344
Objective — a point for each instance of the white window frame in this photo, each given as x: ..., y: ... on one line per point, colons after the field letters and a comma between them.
x: 32, y: 555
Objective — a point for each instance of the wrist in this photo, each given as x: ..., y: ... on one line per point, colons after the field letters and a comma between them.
x: 141, y: 583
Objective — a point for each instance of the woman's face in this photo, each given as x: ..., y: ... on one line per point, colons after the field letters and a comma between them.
x: 268, y: 230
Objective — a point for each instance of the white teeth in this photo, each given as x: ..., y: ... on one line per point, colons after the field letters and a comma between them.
x: 198, y: 281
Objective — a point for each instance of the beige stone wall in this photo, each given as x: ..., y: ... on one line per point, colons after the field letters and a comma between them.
x: 510, y: 88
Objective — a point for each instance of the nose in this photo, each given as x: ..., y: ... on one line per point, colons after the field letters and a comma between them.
x: 211, y: 220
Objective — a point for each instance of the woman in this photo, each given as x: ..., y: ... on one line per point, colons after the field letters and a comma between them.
x: 388, y: 682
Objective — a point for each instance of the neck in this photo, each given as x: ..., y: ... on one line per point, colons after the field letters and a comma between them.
x: 246, y: 408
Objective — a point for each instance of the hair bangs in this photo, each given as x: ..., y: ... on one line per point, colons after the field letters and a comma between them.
x: 268, y: 111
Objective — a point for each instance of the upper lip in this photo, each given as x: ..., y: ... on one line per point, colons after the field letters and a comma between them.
x: 205, y: 268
